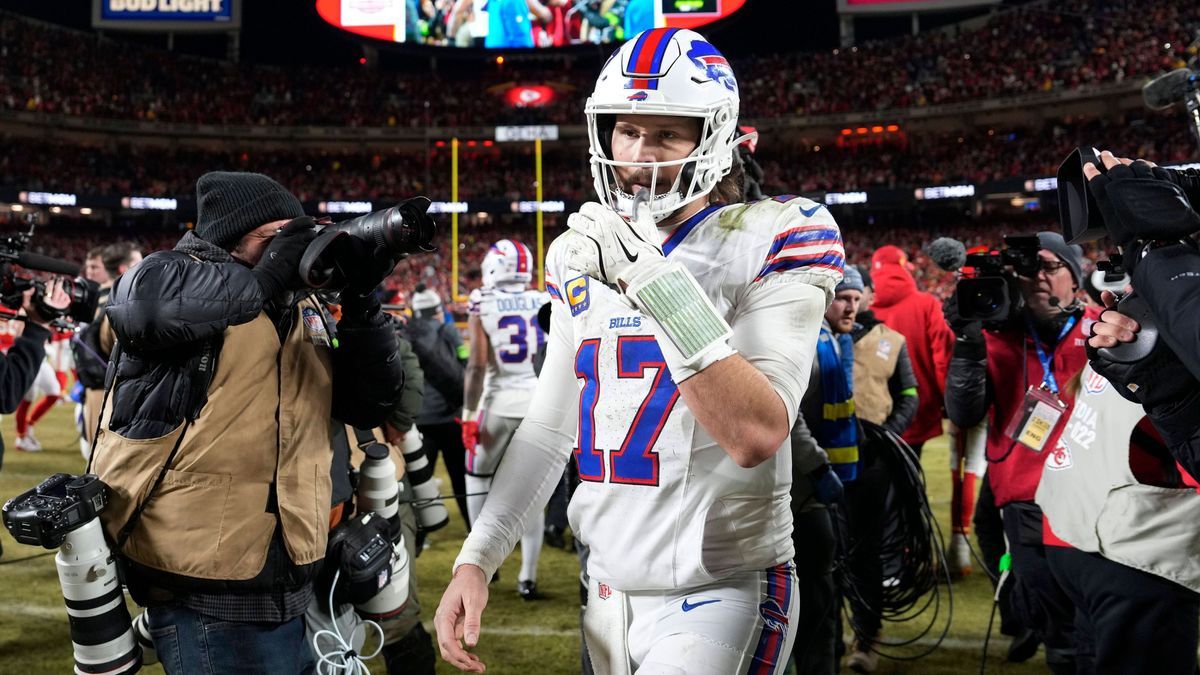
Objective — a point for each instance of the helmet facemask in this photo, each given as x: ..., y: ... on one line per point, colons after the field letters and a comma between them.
x: 700, y: 171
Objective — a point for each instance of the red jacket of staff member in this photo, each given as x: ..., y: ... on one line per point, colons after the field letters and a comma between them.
x: 917, y: 316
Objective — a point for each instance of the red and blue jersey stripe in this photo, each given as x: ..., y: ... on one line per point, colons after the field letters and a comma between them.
x: 817, y: 246
x: 553, y: 291
x: 645, y: 64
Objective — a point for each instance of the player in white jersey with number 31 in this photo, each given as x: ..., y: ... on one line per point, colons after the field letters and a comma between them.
x: 682, y: 335
x: 505, y: 336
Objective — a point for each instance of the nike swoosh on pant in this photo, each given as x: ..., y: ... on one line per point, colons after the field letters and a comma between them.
x: 689, y: 607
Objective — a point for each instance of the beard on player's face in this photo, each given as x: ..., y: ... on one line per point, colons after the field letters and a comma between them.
x: 631, y: 179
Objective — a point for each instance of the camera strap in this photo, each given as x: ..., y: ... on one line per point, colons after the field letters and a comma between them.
x: 1048, y: 379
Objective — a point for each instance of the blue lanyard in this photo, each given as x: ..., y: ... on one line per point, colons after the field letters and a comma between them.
x: 1048, y: 380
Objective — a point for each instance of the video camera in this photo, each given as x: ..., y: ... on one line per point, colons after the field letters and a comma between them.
x: 399, y: 230
x: 988, y: 291
x: 84, y: 293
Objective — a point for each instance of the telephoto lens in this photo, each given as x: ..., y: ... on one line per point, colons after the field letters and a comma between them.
x: 379, y: 491
x: 101, y: 630
x: 141, y: 633
x: 431, y: 512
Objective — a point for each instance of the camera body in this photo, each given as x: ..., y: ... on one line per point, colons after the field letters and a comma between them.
x: 62, y: 512
x: 989, y: 291
x: 399, y: 230
x: 46, y: 514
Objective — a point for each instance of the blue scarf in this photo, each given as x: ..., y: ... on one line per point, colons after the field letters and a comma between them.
x: 838, y: 431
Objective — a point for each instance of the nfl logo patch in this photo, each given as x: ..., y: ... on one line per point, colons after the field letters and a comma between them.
x: 1095, y: 383
x: 312, y: 321
x: 604, y: 591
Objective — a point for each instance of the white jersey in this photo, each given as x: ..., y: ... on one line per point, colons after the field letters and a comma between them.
x: 509, y: 318
x: 661, y: 504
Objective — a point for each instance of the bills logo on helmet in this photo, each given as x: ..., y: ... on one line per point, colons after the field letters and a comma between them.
x: 715, y: 66
x: 639, y: 96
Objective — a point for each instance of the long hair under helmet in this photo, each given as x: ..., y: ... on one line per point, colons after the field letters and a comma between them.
x: 665, y: 71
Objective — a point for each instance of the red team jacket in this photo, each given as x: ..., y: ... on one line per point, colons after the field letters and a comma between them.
x: 918, y: 317
x: 1012, y: 366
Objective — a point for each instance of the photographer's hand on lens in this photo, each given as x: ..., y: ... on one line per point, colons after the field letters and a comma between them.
x: 1158, y: 379
x: 968, y: 334
x: 1136, y: 196
x: 278, y: 270
x: 364, y: 268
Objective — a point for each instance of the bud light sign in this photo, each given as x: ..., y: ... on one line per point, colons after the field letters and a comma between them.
x: 167, y: 15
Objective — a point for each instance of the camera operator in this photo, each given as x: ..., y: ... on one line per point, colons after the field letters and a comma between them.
x: 1044, y: 345
x: 214, y: 439
x: 20, y: 364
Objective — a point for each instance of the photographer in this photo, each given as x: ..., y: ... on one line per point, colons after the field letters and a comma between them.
x: 1043, y: 344
x: 214, y: 439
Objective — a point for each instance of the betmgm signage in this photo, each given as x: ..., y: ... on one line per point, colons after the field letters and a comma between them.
x: 167, y: 16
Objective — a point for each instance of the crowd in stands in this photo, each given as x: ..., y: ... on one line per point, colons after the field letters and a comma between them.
x: 977, y: 156
x: 506, y: 172
x: 1039, y: 47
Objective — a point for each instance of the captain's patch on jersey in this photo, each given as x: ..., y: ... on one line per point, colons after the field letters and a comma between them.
x: 577, y: 295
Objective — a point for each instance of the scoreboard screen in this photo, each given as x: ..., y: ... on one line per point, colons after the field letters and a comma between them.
x: 517, y: 24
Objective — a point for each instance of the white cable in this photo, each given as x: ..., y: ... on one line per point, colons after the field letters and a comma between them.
x: 343, y: 658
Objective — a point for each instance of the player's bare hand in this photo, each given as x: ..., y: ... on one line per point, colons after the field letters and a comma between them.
x: 1113, y: 327
x: 457, y: 619
x: 1109, y: 160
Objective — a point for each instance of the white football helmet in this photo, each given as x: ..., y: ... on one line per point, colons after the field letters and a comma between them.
x: 665, y: 71
x: 507, y: 263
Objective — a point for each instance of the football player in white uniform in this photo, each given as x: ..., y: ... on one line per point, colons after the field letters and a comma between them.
x: 682, y: 335
x: 505, y: 336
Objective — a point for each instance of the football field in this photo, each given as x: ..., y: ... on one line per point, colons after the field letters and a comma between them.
x: 519, y: 638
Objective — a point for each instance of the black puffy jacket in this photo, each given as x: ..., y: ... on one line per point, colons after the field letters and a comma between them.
x: 170, y: 305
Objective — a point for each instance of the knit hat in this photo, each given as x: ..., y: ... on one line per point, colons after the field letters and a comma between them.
x: 851, y: 281
x: 231, y: 204
x: 865, y: 272
x: 1069, y: 254
x: 424, y: 298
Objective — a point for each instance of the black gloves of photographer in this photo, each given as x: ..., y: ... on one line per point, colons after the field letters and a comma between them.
x: 968, y: 335
x: 363, y: 269
x: 279, y: 268
x: 1140, y: 201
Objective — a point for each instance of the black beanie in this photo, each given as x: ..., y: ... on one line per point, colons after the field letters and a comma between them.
x: 232, y: 204
x: 1068, y: 253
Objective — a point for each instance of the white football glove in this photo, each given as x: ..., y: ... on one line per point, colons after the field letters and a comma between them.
x: 608, y: 244
x: 628, y: 257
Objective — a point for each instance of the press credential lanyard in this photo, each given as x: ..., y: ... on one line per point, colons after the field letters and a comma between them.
x: 1048, y: 380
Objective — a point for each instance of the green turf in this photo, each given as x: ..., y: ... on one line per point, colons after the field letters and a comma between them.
x: 519, y: 638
